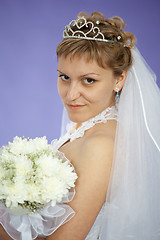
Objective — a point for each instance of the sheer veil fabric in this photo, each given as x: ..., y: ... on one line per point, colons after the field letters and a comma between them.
x: 132, y: 207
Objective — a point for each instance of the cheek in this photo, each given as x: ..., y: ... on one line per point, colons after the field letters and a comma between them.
x: 61, y: 89
x: 103, y: 95
x: 100, y: 95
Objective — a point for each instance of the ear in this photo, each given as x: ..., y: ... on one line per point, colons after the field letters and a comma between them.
x: 120, y: 80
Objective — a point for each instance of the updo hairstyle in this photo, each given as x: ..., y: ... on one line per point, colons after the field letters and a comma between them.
x: 113, y: 55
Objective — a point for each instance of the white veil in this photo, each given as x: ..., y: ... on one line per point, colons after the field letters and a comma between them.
x: 132, y: 208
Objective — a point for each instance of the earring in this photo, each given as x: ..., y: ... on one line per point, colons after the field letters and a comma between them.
x: 117, y: 90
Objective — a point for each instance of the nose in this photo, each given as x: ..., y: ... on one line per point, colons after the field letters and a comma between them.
x: 73, y: 91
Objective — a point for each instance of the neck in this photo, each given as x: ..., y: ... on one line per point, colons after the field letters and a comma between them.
x: 77, y: 125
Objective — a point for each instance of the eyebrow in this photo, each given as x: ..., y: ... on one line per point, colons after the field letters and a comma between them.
x: 83, y: 74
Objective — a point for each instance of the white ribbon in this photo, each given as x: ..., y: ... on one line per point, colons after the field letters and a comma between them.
x: 44, y: 223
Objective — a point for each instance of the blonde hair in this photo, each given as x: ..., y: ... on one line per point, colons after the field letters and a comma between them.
x: 115, y: 56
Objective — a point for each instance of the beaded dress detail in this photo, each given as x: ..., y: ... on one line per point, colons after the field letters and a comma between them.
x: 72, y: 133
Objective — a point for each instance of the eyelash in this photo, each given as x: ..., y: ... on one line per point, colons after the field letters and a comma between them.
x: 62, y: 75
x: 65, y: 80
x: 91, y: 80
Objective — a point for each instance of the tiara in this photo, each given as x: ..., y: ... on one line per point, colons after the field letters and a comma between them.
x: 82, y: 22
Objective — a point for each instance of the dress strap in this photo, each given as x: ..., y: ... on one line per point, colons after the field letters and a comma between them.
x: 72, y: 133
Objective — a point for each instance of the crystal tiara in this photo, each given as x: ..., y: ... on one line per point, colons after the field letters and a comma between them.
x: 82, y: 22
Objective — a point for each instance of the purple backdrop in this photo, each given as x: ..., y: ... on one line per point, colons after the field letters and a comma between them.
x: 29, y: 33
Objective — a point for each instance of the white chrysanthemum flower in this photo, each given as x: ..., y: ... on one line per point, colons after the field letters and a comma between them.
x: 67, y: 175
x: 14, y: 194
x: 28, y: 146
x: 32, y: 174
x: 23, y: 165
x: 33, y: 193
x: 2, y: 173
x: 54, y: 190
x: 48, y: 165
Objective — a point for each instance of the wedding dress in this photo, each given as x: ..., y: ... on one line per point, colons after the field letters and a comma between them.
x: 109, y: 113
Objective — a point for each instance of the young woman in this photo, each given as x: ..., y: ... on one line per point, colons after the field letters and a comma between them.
x: 113, y: 141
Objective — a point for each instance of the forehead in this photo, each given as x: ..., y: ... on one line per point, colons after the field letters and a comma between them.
x: 79, y: 62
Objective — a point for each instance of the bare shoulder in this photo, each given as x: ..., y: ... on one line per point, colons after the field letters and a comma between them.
x: 95, y: 159
x: 99, y: 143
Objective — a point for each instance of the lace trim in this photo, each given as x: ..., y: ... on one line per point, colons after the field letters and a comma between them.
x: 109, y: 113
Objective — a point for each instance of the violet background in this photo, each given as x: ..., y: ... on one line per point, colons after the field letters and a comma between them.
x: 29, y: 33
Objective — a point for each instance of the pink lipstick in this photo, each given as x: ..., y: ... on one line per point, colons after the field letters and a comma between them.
x: 74, y: 107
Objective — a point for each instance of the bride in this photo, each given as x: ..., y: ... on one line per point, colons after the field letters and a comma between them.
x: 112, y: 101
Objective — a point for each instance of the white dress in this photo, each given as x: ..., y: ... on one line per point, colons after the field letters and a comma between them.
x: 109, y: 113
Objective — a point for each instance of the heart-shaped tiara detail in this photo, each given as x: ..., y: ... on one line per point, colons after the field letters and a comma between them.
x: 82, y: 22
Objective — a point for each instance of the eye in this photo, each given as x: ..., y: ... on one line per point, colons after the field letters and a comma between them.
x: 89, y: 80
x: 64, y: 77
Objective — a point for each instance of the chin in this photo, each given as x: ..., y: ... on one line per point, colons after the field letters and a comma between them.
x: 77, y: 118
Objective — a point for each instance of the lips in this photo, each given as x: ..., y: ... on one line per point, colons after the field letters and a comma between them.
x: 75, y: 106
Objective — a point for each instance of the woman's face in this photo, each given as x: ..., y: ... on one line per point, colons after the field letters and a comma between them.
x: 85, y: 88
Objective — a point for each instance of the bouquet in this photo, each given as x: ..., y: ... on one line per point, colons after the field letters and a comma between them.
x: 34, y: 179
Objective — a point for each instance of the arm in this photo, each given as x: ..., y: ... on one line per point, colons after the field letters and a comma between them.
x: 93, y: 171
x: 3, y: 234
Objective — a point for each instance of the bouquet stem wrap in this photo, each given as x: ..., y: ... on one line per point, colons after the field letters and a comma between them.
x: 28, y: 227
